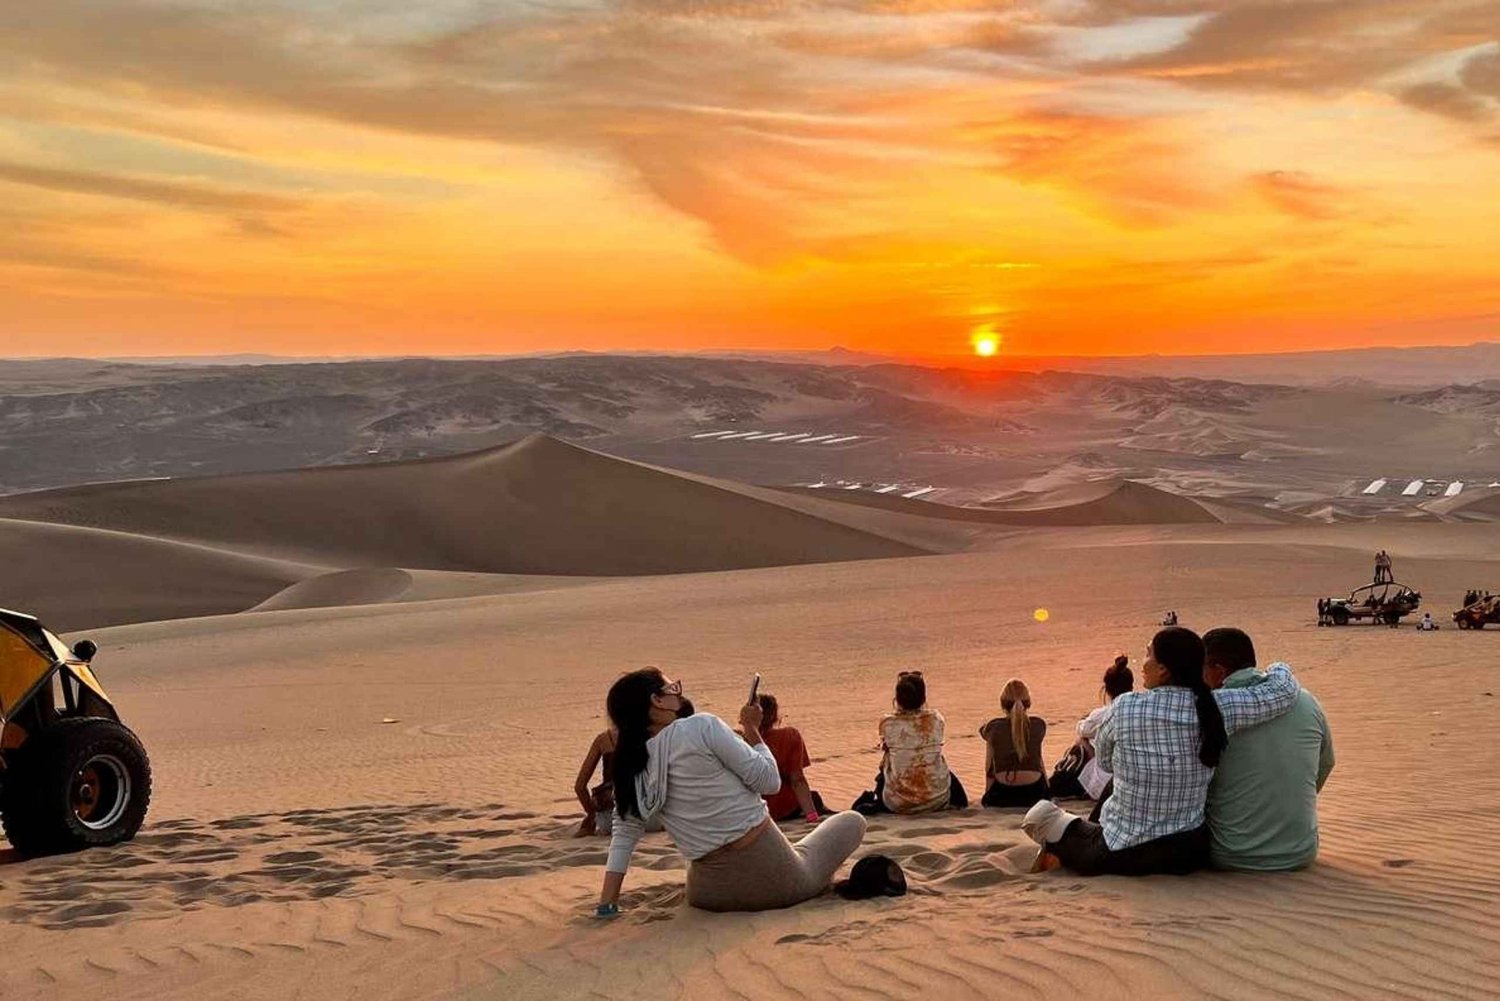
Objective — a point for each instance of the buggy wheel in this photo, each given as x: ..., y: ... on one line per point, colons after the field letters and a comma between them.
x: 1341, y: 616
x: 1462, y: 622
x: 79, y: 783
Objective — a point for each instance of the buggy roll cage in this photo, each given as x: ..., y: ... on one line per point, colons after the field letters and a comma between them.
x: 19, y: 689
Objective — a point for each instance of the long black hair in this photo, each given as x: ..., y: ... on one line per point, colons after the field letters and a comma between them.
x: 1180, y: 651
x: 629, y: 707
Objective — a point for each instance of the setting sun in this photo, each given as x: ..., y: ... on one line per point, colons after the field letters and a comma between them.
x: 986, y: 341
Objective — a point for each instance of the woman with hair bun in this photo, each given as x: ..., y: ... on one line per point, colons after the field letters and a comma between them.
x: 1095, y: 778
x: 1162, y: 746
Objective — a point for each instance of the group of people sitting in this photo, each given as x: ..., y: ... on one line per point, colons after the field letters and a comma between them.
x: 1173, y: 792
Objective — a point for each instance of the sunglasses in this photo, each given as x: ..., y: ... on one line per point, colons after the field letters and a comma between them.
x: 674, y: 688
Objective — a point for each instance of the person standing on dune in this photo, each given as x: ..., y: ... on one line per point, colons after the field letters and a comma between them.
x: 1383, y: 568
x: 1263, y: 800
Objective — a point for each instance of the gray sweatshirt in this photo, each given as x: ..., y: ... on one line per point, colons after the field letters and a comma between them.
x: 705, y: 785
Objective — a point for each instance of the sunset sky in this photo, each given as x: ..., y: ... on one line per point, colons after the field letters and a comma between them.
x: 494, y: 176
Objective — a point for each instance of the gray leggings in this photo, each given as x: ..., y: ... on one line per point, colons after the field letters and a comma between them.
x: 772, y: 872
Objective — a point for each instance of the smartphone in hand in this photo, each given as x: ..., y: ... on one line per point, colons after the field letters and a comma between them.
x: 754, y: 688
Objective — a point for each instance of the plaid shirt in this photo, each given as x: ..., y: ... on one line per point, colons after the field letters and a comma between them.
x: 1151, y: 745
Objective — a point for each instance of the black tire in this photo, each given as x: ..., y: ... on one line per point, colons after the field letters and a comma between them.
x: 78, y: 784
x: 1462, y: 622
x: 1341, y: 616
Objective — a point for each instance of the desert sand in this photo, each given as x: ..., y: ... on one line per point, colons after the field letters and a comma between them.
x: 518, y: 516
x: 365, y: 742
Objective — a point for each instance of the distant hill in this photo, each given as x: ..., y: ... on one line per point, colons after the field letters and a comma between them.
x: 1099, y: 502
x: 69, y: 421
x: 536, y: 506
x: 76, y: 577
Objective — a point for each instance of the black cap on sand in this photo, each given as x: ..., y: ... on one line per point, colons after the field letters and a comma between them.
x: 872, y: 876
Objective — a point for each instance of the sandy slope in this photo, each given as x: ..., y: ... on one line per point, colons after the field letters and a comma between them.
x: 538, y: 506
x: 1091, y: 503
x: 1102, y: 502
x: 474, y: 524
x: 158, y: 549
x: 383, y: 585
x: 1478, y: 503
x: 299, y: 847
x: 76, y: 577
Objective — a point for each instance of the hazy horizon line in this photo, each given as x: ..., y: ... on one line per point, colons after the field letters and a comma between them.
x: 997, y: 362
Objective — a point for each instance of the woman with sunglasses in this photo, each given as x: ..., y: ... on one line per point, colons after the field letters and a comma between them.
x: 705, y: 783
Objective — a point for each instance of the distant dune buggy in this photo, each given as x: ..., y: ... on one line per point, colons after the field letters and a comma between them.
x: 1479, y: 613
x: 1386, y: 602
x: 71, y: 774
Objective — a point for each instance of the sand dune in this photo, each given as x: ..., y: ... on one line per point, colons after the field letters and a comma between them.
x: 1090, y: 504
x: 537, y: 506
x: 1101, y: 502
x: 1189, y: 431
x: 486, y: 522
x: 365, y: 586
x: 385, y: 585
x: 83, y: 577
x: 1476, y: 503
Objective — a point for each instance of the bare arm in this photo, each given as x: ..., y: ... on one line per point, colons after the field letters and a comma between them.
x: 586, y: 775
x: 804, y: 795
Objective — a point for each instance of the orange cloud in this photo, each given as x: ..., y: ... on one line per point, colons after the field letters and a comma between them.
x: 695, y: 172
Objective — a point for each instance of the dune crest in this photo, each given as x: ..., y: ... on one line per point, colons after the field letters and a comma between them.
x: 365, y: 586
x: 1101, y: 502
x: 80, y: 577
x: 538, y: 505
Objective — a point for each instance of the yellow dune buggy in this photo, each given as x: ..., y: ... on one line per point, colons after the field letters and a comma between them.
x: 71, y: 774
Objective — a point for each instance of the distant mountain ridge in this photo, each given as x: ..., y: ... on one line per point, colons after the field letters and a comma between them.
x: 76, y: 421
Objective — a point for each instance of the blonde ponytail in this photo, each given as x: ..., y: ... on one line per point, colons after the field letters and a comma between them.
x: 1015, y: 699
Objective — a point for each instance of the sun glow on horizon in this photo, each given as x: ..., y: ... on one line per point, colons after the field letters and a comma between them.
x: 985, y: 340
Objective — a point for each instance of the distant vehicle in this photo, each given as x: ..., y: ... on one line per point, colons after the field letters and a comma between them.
x: 1479, y: 613
x: 1386, y: 602
x: 73, y: 775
